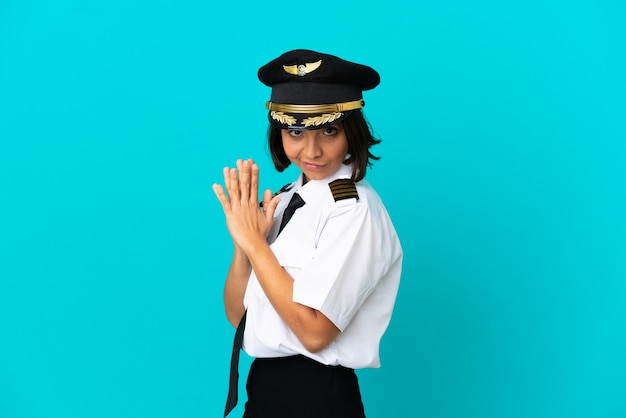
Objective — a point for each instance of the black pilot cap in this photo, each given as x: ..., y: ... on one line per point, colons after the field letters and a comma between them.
x: 311, y: 90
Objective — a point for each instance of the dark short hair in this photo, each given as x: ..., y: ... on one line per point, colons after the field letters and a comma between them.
x: 360, y: 140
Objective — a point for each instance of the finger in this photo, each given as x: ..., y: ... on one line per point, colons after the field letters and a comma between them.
x: 239, y: 163
x: 221, y: 197
x: 271, y: 208
x: 267, y: 196
x: 254, y: 184
x: 244, y: 181
x: 233, y: 187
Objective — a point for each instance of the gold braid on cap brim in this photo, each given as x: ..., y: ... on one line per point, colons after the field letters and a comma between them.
x: 329, y: 112
x: 282, y: 118
x: 321, y: 108
x: 322, y: 119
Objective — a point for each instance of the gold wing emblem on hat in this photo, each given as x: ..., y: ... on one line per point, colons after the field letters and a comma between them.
x: 302, y: 69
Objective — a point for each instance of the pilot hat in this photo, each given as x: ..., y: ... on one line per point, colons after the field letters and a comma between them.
x: 311, y: 90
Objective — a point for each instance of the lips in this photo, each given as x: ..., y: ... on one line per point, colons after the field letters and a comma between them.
x: 312, y: 167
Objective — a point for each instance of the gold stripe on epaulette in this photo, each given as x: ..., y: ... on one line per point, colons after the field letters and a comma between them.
x: 282, y: 189
x: 343, y: 189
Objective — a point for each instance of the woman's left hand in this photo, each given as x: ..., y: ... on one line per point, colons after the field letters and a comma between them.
x: 247, y: 223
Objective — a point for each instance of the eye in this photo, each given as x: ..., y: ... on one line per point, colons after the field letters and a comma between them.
x: 330, y: 131
x: 295, y: 132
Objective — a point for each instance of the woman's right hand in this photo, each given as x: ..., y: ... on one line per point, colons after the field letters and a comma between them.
x: 247, y: 224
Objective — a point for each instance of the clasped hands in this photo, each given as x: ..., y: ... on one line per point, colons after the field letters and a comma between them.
x: 247, y: 223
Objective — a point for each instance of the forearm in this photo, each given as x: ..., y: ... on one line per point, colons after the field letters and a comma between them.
x: 235, y: 286
x: 248, y: 227
x: 314, y: 330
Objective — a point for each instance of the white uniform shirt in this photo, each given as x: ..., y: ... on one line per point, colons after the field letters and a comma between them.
x: 345, y: 259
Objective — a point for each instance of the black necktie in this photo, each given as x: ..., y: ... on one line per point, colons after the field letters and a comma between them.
x: 231, y: 400
x: 295, y: 203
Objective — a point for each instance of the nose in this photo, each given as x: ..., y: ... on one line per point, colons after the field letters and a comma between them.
x: 313, y: 148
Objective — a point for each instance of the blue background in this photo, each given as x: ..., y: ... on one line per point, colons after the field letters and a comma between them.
x: 503, y: 127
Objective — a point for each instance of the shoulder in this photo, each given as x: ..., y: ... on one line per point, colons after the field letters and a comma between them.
x: 342, y: 189
x: 345, y: 191
x: 347, y: 197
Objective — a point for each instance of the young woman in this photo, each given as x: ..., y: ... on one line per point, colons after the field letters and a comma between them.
x: 316, y: 266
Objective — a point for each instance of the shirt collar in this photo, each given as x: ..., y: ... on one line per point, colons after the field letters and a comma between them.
x: 314, y: 190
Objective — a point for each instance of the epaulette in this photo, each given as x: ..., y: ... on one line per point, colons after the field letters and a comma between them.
x: 285, y: 188
x: 343, y: 189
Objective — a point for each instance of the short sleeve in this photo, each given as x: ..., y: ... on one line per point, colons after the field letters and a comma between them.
x: 354, y: 252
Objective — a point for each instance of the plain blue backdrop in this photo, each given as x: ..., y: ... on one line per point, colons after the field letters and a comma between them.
x: 503, y: 166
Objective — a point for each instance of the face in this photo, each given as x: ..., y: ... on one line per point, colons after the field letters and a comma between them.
x: 319, y: 152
